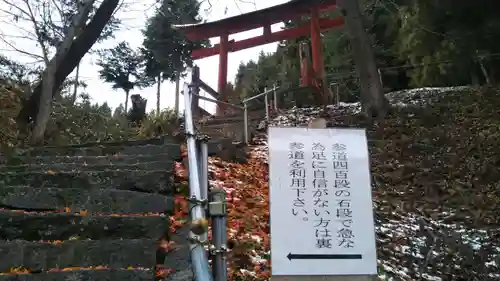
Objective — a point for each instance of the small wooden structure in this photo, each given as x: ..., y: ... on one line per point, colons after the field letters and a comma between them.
x: 265, y: 18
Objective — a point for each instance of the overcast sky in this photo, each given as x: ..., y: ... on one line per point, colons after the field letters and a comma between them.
x: 134, y: 16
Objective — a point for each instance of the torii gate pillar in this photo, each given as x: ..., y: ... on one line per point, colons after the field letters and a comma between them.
x: 317, y: 53
x: 223, y: 53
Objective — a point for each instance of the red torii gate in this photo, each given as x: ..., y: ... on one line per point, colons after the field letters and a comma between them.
x: 265, y: 18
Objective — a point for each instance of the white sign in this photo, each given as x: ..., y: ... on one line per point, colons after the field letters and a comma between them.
x: 321, y: 205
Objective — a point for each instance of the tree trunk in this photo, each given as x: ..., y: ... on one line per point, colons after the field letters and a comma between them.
x: 485, y: 72
x: 67, y: 63
x: 306, y: 70
x: 43, y: 114
x: 372, y: 95
x: 177, y: 86
x: 126, y: 101
x: 158, y: 91
x: 48, y: 85
x: 75, y: 88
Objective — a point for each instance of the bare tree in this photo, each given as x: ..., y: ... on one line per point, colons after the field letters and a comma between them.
x: 27, y: 21
x: 63, y: 32
x: 48, y: 78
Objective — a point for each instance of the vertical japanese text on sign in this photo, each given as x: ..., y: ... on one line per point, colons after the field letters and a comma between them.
x: 321, y: 208
x: 297, y: 172
x: 323, y: 232
x: 345, y: 235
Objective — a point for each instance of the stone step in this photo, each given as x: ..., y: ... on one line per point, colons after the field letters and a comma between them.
x: 91, y: 160
x: 30, y: 226
x: 226, y: 149
x: 213, y: 133
x: 155, y: 181
x: 226, y: 120
x: 113, y: 254
x: 102, y: 201
x: 166, y: 165
x: 238, y: 119
x: 259, y: 114
x: 172, y: 150
x: 180, y: 258
x: 154, y: 141
x: 84, y: 275
x: 233, y: 131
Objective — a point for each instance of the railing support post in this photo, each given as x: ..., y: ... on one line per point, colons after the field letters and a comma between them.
x: 197, y: 210
x: 195, y: 88
x: 266, y: 101
x: 245, y: 122
x: 275, y: 99
x: 380, y: 77
x: 202, y: 148
x: 218, y: 212
x: 337, y: 94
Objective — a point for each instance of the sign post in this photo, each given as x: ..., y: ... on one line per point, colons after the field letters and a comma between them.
x: 320, y: 205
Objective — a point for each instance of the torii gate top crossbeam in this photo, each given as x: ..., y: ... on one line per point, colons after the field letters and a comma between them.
x: 252, y: 20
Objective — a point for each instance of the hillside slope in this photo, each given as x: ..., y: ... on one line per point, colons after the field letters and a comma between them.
x: 10, y: 104
x: 436, y: 187
x: 69, y: 124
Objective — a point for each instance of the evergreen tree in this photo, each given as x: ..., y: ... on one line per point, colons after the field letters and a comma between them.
x: 121, y: 66
x: 167, y: 46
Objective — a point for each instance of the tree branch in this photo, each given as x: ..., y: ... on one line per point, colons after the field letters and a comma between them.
x: 67, y: 63
x: 19, y: 50
x: 12, y: 5
x: 37, y: 32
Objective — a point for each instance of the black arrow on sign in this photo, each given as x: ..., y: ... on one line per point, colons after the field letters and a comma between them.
x: 291, y: 256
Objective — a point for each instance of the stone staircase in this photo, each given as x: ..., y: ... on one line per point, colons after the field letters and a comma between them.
x: 89, y: 212
x: 231, y: 126
x: 227, y: 134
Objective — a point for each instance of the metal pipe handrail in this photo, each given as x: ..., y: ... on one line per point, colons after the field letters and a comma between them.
x: 218, y: 101
x: 266, y: 103
x: 200, y: 196
x: 266, y: 92
x: 245, y: 107
x: 202, y: 150
x: 197, y: 212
